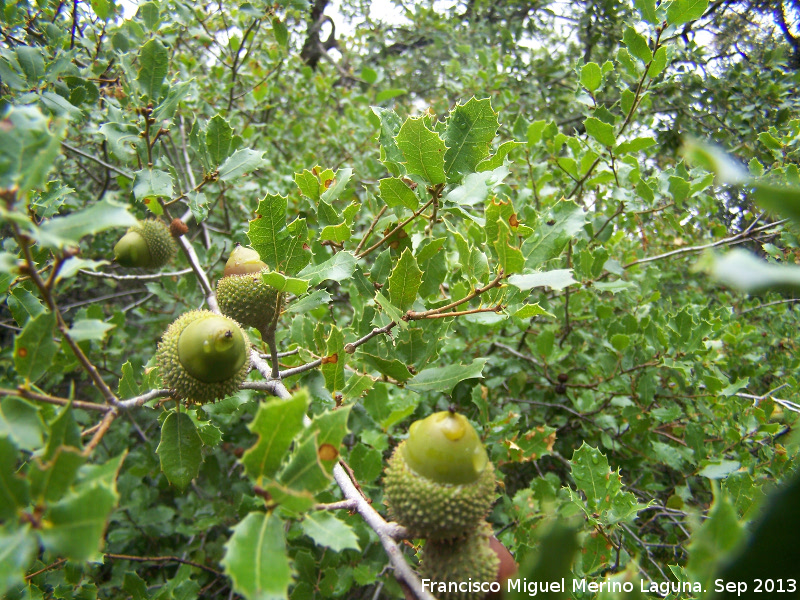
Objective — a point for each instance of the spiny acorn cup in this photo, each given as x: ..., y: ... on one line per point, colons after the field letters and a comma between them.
x: 243, y: 295
x: 147, y: 244
x: 204, y: 356
x: 439, y: 483
x: 461, y: 569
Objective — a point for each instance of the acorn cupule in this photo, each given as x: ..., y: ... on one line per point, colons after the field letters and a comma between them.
x: 204, y: 356
x: 439, y: 483
x: 147, y: 244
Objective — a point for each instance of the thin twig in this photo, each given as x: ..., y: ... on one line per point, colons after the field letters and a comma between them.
x: 100, y: 162
x: 143, y: 277
x: 164, y: 559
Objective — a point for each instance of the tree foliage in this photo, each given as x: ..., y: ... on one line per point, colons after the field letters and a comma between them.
x: 576, y: 223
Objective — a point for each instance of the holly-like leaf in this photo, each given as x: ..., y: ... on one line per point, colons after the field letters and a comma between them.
x: 683, y: 11
x: 276, y: 423
x: 240, y: 163
x: 602, y: 132
x: 89, y: 329
x: 637, y: 45
x: 334, y: 360
x: 29, y: 146
x: 336, y: 185
x: 531, y: 310
x: 508, y: 254
x: 556, y: 279
x: 17, y: 548
x: 309, y: 303
x: 329, y: 428
x: 280, y: 246
x: 395, y: 192
x: 282, y: 283
x: 591, y: 76
x: 444, y: 379
x: 423, y: 151
x: 34, y: 347
x: 255, y: 558
x: 31, y: 61
x: 647, y: 8
x: 470, y: 130
x: 327, y: 530
x: 532, y: 445
x: 305, y: 472
x: 218, y: 139
x: 339, y: 267
x: 64, y: 231
x: 153, y: 63
x: 602, y: 488
x: 555, y: 229
x: 180, y: 449
x: 495, y: 162
x: 394, y: 313
x: 22, y: 422
x: 404, y: 281
x: 14, y: 490
x: 49, y: 481
x: 476, y: 187
x: 152, y: 183
x: 74, y: 527
x: 391, y: 155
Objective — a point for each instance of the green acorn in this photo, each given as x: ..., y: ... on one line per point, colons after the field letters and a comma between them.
x: 243, y: 295
x: 464, y: 566
x: 203, y: 356
x: 439, y: 483
x: 147, y: 244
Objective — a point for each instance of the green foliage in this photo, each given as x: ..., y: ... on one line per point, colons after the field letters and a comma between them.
x: 526, y: 211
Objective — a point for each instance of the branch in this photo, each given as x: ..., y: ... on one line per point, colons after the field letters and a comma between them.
x: 38, y: 397
x: 413, y: 316
x: 47, y: 295
x: 144, y: 399
x: 395, y: 230
x: 146, y: 277
x: 164, y: 559
x: 103, y: 163
x: 739, y: 237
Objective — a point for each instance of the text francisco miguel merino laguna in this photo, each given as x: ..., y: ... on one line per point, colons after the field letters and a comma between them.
x: 532, y: 588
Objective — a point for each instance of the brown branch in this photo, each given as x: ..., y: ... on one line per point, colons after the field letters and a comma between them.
x: 739, y: 237
x: 49, y: 567
x: 411, y: 315
x: 371, y: 229
x: 39, y: 397
x: 380, y: 242
x: 46, y: 292
x: 102, y: 429
x: 460, y: 313
x: 164, y: 559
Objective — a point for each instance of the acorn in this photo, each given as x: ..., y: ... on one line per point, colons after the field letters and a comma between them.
x: 461, y: 569
x: 243, y: 295
x: 203, y: 356
x: 147, y: 244
x: 439, y: 483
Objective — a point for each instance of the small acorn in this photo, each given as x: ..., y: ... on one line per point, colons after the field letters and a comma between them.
x: 439, y: 483
x: 471, y: 563
x: 243, y: 295
x: 203, y: 356
x: 147, y: 244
